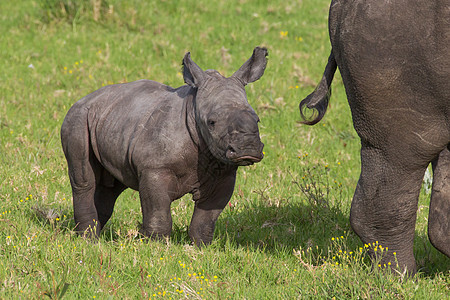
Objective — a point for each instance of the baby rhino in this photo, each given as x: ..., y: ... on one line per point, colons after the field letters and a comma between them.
x: 165, y: 143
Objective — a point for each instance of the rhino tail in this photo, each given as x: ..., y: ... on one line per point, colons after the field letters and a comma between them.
x: 318, y: 100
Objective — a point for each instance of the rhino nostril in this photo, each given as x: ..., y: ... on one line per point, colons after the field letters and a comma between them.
x: 231, y: 153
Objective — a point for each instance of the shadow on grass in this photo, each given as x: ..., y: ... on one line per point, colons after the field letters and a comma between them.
x: 288, y: 226
x: 429, y: 260
x: 275, y: 230
x: 280, y: 229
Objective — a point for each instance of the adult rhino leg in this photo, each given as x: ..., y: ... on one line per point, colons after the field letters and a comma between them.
x: 439, y: 215
x: 207, y: 211
x: 155, y: 203
x: 106, y: 194
x: 384, y: 207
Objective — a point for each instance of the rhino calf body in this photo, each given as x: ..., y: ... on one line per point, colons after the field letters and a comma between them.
x: 165, y: 143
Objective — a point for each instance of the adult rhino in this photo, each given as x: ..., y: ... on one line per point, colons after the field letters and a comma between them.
x: 165, y: 143
x: 394, y: 58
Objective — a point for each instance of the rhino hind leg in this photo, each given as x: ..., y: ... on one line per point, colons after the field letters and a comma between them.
x: 439, y: 215
x: 106, y: 194
x: 83, y: 171
x: 85, y: 213
x: 383, y: 211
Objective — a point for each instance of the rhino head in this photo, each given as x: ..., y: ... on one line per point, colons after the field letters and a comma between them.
x: 224, y: 118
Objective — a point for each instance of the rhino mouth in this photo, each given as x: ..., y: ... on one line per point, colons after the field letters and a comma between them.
x: 246, y: 160
x: 243, y: 160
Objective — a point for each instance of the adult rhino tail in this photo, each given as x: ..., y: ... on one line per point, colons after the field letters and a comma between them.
x: 318, y: 100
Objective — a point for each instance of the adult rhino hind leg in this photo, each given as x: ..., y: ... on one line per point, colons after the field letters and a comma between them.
x: 439, y: 215
x: 384, y: 208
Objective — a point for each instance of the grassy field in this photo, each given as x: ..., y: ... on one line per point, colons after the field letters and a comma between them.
x: 285, y: 233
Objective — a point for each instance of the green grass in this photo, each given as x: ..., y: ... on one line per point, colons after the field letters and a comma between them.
x: 286, y: 232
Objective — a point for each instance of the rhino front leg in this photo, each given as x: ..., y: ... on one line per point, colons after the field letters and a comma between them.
x: 206, y: 212
x: 154, y: 192
x: 384, y: 207
x: 439, y: 215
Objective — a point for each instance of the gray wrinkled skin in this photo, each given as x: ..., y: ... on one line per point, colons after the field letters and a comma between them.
x: 165, y: 143
x: 394, y: 58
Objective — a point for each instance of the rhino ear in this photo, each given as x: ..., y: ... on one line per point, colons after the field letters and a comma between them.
x: 253, y: 68
x: 192, y: 73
